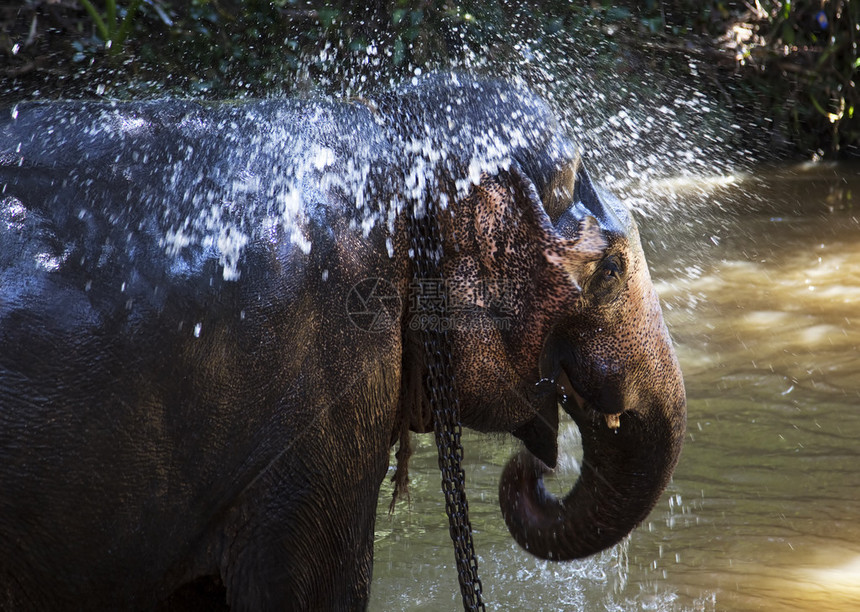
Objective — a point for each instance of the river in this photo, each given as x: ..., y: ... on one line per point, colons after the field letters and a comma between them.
x: 759, y: 276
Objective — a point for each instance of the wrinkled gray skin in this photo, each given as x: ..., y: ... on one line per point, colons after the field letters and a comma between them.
x: 189, y: 414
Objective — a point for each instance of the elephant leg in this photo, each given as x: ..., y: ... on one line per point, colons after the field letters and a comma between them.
x: 303, y: 538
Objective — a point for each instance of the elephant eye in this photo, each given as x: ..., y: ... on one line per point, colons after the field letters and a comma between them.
x: 610, y: 269
x: 606, y: 279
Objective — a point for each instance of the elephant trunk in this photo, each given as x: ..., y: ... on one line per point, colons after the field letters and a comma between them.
x: 626, y: 465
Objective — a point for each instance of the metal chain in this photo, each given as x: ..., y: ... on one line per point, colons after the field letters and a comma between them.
x: 427, y: 252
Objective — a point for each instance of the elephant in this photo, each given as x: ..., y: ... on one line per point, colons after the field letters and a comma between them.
x: 210, y: 338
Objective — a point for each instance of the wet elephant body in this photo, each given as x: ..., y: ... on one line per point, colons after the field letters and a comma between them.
x: 157, y: 417
x: 190, y: 394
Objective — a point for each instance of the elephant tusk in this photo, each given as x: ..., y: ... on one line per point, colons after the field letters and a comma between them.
x: 613, y: 421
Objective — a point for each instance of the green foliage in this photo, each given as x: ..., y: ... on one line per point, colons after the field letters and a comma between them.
x: 791, y: 65
x: 797, y: 61
x: 224, y: 48
x: 112, y: 31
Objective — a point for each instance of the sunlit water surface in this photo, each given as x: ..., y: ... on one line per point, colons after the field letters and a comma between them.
x: 760, y: 281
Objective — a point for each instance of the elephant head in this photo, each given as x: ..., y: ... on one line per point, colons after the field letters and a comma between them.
x: 565, y: 313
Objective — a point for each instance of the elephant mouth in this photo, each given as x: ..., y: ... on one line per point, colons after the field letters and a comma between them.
x: 540, y: 434
x: 578, y: 407
x: 569, y: 398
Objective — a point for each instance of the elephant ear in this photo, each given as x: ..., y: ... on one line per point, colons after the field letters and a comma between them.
x: 495, y: 217
x: 511, y: 261
x: 572, y: 255
x: 511, y: 220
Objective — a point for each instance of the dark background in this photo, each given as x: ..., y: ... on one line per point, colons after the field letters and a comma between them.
x: 788, y: 68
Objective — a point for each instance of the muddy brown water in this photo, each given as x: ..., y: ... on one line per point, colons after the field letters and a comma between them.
x: 760, y: 282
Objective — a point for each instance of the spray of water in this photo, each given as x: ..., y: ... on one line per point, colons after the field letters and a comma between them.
x: 638, y: 116
x: 649, y: 128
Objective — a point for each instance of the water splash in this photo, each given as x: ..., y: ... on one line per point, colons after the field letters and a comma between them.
x: 208, y: 179
x: 638, y: 121
x: 637, y: 116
